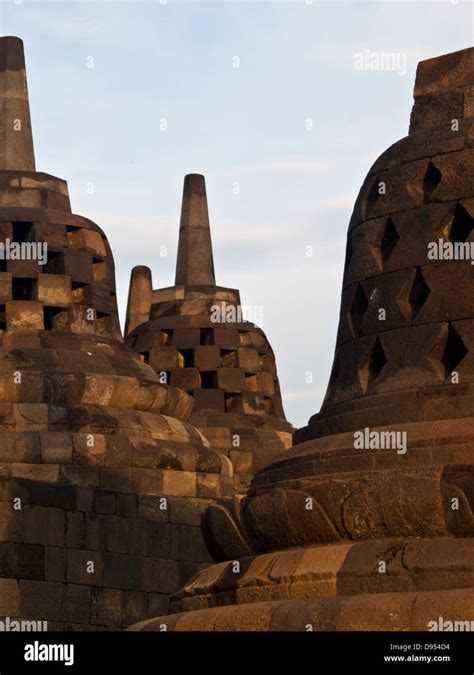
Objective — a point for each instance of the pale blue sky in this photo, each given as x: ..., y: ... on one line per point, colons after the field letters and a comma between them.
x: 174, y: 61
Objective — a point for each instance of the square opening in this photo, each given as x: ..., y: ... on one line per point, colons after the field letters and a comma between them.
x: 207, y: 336
x: 48, y: 314
x: 188, y: 355
x: 22, y: 288
x: 22, y: 231
x: 209, y: 380
x: 55, y: 263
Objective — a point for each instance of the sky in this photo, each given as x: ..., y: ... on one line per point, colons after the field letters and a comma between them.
x: 264, y: 99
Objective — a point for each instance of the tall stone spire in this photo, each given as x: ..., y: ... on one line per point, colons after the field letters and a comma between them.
x: 195, y: 264
x: 16, y: 140
x: 222, y: 360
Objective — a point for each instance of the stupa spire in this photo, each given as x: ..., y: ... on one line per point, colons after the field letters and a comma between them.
x: 16, y: 139
x: 195, y: 263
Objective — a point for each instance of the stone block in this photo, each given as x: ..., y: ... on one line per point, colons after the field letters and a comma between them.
x: 30, y: 561
x: 5, y: 286
x: 40, y: 600
x: 56, y: 448
x: 43, y: 525
x: 165, y: 358
x: 209, y: 399
x: 123, y: 571
x: 9, y: 597
x: 54, y: 563
x: 134, y: 607
x: 154, y: 508
x: 84, y: 567
x: 87, y: 240
x: 106, y: 607
x: 75, y: 604
x: 230, y: 380
x: 185, y: 378
x: 209, y: 485
x: 227, y: 338
x: 53, y: 290
x: 24, y: 314
x: 186, y: 338
x: 89, y: 449
x: 179, y: 483
x: 146, y: 481
x: 248, y: 359
x: 207, y: 357
x: 160, y: 576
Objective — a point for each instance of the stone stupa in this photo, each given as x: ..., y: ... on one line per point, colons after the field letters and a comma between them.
x: 194, y: 335
x: 335, y: 534
x: 102, y: 480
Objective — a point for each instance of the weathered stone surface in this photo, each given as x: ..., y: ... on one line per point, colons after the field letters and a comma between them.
x: 194, y: 334
x: 90, y: 441
x: 367, y: 522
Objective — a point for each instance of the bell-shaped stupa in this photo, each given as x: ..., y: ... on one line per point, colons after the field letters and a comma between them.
x: 102, y: 479
x: 195, y: 336
x: 367, y: 522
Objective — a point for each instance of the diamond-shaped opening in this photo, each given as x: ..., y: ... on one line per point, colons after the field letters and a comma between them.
x: 454, y: 351
x: 461, y: 225
x: 389, y: 240
x: 377, y: 361
x: 430, y: 182
x: 348, y: 251
x: 418, y: 294
x: 356, y: 312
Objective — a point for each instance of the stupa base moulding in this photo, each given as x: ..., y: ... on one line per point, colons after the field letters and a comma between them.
x: 378, y: 585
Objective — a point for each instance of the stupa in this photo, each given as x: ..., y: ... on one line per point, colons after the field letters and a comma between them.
x: 367, y: 522
x: 195, y: 336
x: 102, y: 480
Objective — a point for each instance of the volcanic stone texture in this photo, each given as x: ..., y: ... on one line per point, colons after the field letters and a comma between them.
x: 102, y: 480
x: 343, y: 537
x: 228, y: 367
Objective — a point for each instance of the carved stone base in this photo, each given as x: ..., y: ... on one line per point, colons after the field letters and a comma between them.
x: 390, y: 584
